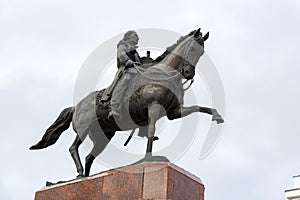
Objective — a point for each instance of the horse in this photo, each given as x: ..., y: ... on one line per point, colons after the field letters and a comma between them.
x: 157, y: 92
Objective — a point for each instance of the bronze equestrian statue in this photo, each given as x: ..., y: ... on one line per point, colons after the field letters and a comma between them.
x: 155, y: 91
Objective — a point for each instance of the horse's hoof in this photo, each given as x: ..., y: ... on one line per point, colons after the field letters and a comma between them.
x: 80, y: 176
x: 218, y: 119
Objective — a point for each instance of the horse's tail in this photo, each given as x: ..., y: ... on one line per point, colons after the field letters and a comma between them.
x: 52, y: 134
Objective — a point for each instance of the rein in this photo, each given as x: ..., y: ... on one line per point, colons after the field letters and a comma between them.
x: 192, y: 81
x: 140, y: 69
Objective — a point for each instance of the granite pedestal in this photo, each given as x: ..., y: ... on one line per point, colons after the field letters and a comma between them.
x: 143, y: 181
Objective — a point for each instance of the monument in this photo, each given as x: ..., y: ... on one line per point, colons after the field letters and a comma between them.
x: 143, y: 91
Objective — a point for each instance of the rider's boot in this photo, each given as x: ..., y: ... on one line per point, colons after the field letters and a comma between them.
x: 115, y: 112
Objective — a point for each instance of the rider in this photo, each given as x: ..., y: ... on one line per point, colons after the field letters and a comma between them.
x: 127, y: 56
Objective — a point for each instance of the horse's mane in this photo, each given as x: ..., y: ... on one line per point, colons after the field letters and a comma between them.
x: 172, y: 47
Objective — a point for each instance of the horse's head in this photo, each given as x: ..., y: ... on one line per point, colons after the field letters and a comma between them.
x: 190, y: 50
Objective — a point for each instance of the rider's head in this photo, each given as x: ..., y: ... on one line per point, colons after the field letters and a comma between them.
x: 131, y: 37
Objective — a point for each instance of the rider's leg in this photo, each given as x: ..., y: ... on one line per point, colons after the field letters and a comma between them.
x: 118, y: 94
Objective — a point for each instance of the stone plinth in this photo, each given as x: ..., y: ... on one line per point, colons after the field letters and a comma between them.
x: 142, y: 181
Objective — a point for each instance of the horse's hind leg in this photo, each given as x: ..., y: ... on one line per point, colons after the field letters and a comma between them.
x: 74, y: 153
x: 100, y: 141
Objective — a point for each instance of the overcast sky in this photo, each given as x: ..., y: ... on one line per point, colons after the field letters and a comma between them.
x: 253, y: 44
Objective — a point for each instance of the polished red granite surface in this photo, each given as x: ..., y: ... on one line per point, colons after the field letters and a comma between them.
x: 143, y: 181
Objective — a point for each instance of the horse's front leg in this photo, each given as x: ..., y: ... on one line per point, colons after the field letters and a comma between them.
x: 153, y: 116
x: 184, y: 111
